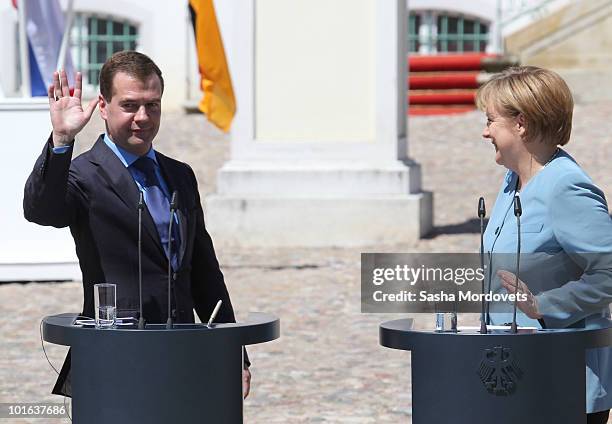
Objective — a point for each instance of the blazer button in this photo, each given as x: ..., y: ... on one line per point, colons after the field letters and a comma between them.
x: 174, y: 276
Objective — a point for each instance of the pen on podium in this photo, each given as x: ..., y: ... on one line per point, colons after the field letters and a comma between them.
x: 214, y: 313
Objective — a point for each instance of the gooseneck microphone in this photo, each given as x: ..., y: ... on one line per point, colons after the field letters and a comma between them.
x: 141, y: 321
x: 173, y: 208
x: 518, y: 211
x: 482, y: 212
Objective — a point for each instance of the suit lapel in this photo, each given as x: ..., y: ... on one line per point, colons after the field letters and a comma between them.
x: 121, y: 182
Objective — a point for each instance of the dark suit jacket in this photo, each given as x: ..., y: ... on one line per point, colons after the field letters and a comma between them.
x: 96, y: 196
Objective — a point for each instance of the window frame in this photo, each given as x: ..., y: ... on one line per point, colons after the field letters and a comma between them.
x: 429, y: 34
x: 84, y: 44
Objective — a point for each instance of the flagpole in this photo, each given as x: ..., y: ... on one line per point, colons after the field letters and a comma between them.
x: 61, y: 59
x: 189, y: 28
x: 26, y: 88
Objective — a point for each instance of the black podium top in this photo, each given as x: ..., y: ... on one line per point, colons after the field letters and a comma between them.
x: 259, y: 328
x: 398, y: 334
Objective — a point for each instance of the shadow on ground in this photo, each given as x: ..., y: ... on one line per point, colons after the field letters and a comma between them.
x: 470, y: 226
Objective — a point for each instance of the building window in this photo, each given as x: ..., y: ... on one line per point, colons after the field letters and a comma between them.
x: 94, y: 39
x: 414, y: 22
x: 435, y: 32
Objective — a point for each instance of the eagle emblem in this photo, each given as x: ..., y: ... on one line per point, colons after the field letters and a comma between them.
x: 499, y: 371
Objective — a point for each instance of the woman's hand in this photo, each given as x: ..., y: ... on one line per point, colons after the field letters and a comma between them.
x: 529, y: 306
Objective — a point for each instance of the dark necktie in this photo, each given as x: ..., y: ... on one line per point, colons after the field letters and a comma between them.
x: 158, y: 205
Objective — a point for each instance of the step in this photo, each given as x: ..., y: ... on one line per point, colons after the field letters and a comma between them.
x: 447, y: 97
x: 448, y: 62
x: 460, y: 62
x: 446, y: 80
x: 439, y: 110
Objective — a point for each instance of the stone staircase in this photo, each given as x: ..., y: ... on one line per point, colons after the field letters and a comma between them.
x: 534, y: 41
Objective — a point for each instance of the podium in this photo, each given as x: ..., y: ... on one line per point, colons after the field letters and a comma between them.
x: 472, y: 378
x: 187, y: 374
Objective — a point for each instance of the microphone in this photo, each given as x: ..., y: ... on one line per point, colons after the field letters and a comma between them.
x: 518, y: 211
x: 141, y: 322
x: 482, y: 212
x: 173, y: 208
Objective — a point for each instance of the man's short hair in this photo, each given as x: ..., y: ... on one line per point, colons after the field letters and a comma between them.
x: 132, y: 63
x: 540, y: 95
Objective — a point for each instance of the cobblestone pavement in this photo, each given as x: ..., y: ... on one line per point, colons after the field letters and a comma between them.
x: 327, y: 366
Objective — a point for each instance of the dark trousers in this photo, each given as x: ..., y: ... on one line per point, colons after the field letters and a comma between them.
x: 600, y: 417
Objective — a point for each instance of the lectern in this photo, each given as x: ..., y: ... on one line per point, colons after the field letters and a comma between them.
x: 187, y: 374
x: 472, y: 378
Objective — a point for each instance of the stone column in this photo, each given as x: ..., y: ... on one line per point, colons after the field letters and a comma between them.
x: 319, y: 146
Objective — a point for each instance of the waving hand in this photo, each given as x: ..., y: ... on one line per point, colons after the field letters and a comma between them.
x: 67, y: 114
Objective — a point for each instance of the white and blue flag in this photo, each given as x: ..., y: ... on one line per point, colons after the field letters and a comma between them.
x: 45, y: 28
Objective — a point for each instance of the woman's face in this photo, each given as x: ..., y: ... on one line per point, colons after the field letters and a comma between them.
x: 506, y: 136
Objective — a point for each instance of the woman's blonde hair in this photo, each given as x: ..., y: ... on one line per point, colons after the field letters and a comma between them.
x: 539, y: 95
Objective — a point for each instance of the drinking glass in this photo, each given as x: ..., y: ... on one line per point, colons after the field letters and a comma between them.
x: 105, y: 300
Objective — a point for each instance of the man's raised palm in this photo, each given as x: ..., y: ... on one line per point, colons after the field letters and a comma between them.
x: 67, y: 114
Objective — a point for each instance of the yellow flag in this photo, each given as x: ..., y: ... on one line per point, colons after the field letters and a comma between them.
x: 218, y: 102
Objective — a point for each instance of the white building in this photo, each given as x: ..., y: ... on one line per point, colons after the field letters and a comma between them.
x: 163, y: 30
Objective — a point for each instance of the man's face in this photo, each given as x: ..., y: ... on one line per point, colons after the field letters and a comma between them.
x: 133, y: 114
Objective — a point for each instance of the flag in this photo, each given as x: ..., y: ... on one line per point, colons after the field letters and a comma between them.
x: 37, y: 83
x: 45, y: 29
x: 218, y: 102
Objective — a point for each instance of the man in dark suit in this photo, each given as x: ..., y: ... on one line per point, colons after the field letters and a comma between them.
x: 97, y: 196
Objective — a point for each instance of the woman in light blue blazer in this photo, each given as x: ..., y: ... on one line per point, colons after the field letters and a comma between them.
x: 566, y: 231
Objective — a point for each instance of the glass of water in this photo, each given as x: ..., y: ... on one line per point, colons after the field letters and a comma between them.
x: 446, y: 317
x: 105, y: 300
x: 446, y: 321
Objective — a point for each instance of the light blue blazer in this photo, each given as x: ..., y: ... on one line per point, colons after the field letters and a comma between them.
x: 566, y: 258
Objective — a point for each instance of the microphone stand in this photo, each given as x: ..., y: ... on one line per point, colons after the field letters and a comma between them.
x: 517, y: 212
x: 141, y: 321
x: 173, y: 207
x: 481, y: 214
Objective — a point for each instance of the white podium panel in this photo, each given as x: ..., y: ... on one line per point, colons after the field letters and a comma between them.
x: 28, y: 252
